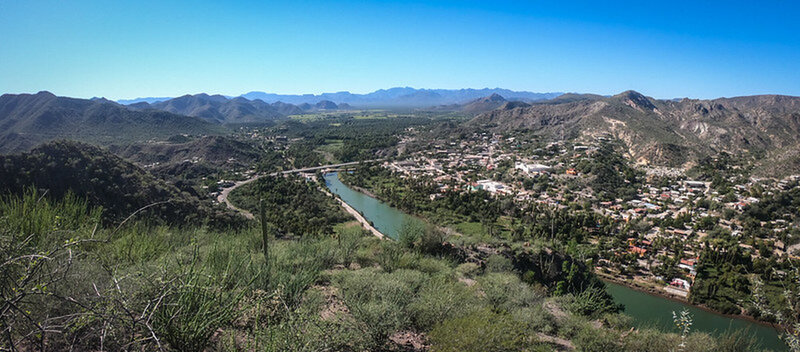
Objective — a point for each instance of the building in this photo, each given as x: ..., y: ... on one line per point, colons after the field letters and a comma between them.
x: 688, y: 264
x: 491, y: 186
x: 531, y: 168
x: 680, y: 283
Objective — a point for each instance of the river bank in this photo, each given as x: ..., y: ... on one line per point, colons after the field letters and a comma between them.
x: 357, y: 215
x: 383, y: 218
x: 676, y: 298
x: 363, y: 190
x: 655, y: 311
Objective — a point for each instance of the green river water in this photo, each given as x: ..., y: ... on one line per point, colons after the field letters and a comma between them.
x: 645, y: 309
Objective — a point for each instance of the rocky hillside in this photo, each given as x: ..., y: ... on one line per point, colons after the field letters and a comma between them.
x: 216, y: 150
x: 666, y: 132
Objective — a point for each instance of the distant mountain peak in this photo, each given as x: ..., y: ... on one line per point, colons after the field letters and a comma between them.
x: 484, y: 104
x: 326, y: 105
x: 495, y: 97
x: 635, y: 99
x: 632, y: 94
x: 514, y: 104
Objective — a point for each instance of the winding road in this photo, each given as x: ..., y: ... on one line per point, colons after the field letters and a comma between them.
x: 223, y: 195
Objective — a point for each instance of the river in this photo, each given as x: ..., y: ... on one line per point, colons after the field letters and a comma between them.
x: 645, y: 309
x: 386, y: 219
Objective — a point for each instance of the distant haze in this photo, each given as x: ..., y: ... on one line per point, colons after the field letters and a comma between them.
x: 392, y: 97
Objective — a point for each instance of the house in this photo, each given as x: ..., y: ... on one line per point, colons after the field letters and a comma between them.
x: 638, y: 251
x: 491, y: 186
x: 688, y: 264
x: 531, y: 168
x: 696, y: 185
x: 680, y: 283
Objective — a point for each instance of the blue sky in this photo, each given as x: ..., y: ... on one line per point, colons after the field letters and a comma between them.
x: 126, y: 49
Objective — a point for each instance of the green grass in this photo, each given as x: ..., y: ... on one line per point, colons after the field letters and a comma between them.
x: 469, y: 228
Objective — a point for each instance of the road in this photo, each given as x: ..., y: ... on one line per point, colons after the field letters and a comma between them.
x: 223, y: 195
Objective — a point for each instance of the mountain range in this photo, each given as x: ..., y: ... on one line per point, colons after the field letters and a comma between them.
x: 220, y: 109
x: 656, y: 131
x: 403, y: 97
x: 398, y: 97
x: 27, y: 120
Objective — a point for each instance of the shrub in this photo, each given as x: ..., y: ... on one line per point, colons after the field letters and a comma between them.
x: 737, y: 341
x: 410, y: 232
x: 699, y: 342
x: 570, y: 326
x: 498, y: 264
x: 468, y: 269
x: 303, y: 332
x: 193, y: 308
x: 379, y: 299
x: 649, y: 340
x: 592, y: 302
x: 430, y: 265
x: 422, y: 237
x: 348, y: 241
x: 618, y: 321
x: 294, y: 266
x: 479, y: 331
x: 535, y: 318
x: 505, y: 292
x: 439, y: 299
x: 389, y: 257
x: 596, y: 340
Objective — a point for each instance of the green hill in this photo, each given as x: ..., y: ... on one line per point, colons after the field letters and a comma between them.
x: 106, y: 180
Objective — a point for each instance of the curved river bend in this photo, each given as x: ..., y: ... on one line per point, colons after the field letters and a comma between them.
x: 645, y: 309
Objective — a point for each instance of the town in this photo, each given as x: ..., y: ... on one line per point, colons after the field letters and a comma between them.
x: 663, y: 222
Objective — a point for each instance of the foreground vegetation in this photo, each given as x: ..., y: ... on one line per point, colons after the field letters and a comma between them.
x: 68, y: 282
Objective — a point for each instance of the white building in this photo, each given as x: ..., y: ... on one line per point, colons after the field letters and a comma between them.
x: 491, y: 186
x: 531, y: 168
